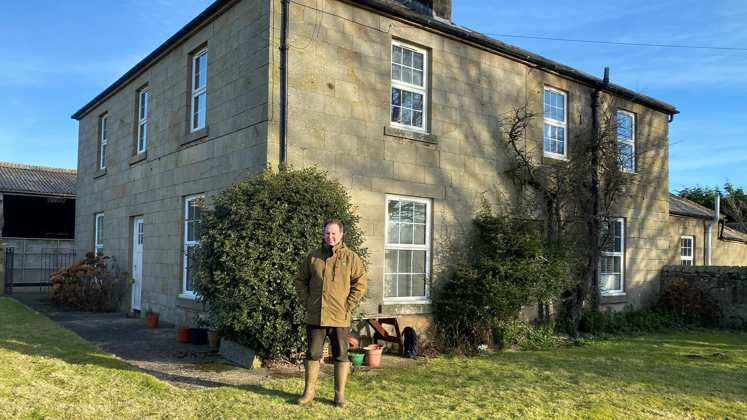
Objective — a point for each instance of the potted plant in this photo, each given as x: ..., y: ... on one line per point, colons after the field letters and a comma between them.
x: 151, y: 318
x: 373, y: 354
x: 213, y: 339
x: 183, y: 334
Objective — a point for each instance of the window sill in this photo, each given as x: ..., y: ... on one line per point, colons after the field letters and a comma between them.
x: 188, y: 301
x: 410, y: 135
x: 139, y: 157
x: 614, y: 297
x: 194, y: 136
x: 99, y: 173
x: 553, y: 159
x: 408, y: 307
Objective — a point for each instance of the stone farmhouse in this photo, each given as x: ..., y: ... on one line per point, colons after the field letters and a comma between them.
x: 392, y: 98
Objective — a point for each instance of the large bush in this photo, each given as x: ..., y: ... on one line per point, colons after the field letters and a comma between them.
x: 512, y: 264
x: 253, y: 240
x: 93, y: 284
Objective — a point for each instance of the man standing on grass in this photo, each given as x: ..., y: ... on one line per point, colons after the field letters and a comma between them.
x: 330, y: 282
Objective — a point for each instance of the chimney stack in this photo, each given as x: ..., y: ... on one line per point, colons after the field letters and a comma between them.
x: 440, y: 9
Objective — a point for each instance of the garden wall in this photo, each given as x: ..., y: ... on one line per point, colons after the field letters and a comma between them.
x: 727, y: 285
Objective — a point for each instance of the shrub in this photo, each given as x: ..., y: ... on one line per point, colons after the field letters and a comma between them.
x: 512, y: 264
x: 522, y: 334
x: 91, y: 284
x: 690, y: 303
x: 647, y: 320
x: 253, y: 241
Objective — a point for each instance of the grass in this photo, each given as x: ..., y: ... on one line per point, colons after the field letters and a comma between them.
x: 49, y: 372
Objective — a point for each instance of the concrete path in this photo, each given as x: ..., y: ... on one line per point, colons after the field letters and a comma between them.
x: 156, y: 352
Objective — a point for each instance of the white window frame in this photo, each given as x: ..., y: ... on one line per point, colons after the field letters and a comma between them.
x: 197, y: 92
x: 630, y: 141
x: 104, y: 134
x: 620, y: 254
x: 188, y: 293
x: 685, y: 259
x: 421, y: 90
x: 555, y: 123
x: 142, y: 125
x: 427, y: 247
x: 98, y: 235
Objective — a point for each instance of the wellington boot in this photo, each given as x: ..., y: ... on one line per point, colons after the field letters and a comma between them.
x: 312, y: 372
x: 341, y: 377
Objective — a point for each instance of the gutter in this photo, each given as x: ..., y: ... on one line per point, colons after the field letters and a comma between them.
x: 284, y: 47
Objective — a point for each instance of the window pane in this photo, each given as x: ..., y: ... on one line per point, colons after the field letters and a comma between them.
x: 393, y: 210
x: 419, y: 211
x: 407, y: 57
x: 417, y: 102
x: 141, y: 141
x: 395, y: 115
x: 405, y: 233
x: 609, y: 282
x: 407, y: 208
x: 417, y: 77
x: 417, y: 119
x: 396, y: 54
x: 418, y: 262
x: 404, y: 285
x: 390, y: 285
x: 406, y: 99
x: 396, y: 97
x: 418, y: 285
x: 396, y: 72
x: 406, y: 74
x: 393, y: 233
x: 390, y: 261
x: 190, y: 268
x: 420, y: 234
x: 199, y: 111
x: 405, y: 262
x: 417, y: 61
x: 406, y: 116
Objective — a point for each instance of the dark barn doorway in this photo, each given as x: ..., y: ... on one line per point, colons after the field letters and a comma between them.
x: 38, y: 217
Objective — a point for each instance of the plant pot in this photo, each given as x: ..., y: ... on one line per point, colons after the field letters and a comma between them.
x: 151, y: 321
x: 183, y: 335
x: 356, y: 358
x: 199, y: 336
x: 373, y: 354
x: 213, y: 339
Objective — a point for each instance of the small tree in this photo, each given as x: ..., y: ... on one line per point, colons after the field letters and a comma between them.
x: 577, y: 196
x: 253, y: 241
x: 93, y: 284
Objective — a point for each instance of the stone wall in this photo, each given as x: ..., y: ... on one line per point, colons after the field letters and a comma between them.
x: 725, y: 284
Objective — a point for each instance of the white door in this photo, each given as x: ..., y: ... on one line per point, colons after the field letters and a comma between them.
x: 137, y: 263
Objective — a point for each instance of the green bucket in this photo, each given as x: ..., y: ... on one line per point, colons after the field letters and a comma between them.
x: 356, y: 358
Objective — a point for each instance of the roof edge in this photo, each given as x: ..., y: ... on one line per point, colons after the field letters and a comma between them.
x: 204, y: 15
x: 398, y: 10
x: 37, y: 168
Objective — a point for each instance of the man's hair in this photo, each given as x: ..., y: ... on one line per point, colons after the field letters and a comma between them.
x: 334, y: 222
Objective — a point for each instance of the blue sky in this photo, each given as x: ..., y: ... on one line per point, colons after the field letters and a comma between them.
x: 65, y: 53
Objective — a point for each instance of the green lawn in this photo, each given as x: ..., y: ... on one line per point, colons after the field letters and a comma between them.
x: 49, y: 372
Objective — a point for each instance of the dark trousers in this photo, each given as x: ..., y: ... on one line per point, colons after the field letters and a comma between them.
x: 338, y: 337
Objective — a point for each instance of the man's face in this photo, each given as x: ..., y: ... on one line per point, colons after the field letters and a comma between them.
x: 332, y: 234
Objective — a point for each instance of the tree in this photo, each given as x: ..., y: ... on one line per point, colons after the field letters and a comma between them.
x: 733, y: 202
x: 579, y: 196
x: 252, y: 242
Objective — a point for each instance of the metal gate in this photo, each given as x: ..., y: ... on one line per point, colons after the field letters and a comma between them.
x: 54, y: 259
x: 9, y: 256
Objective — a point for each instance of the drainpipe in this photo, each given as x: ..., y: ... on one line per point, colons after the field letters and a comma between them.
x: 708, y: 229
x: 284, y: 46
x: 595, y: 155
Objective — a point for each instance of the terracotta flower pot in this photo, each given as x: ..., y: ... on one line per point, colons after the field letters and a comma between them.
x: 373, y: 354
x: 151, y: 321
x: 213, y: 339
x: 183, y: 335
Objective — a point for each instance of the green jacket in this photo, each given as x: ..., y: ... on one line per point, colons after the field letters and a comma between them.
x: 329, y: 284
